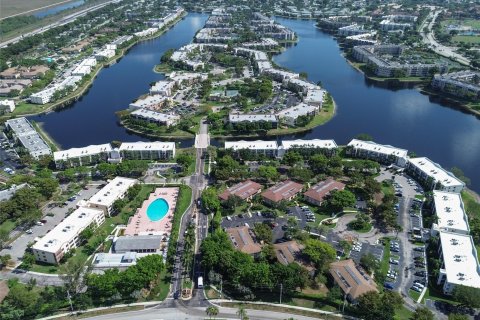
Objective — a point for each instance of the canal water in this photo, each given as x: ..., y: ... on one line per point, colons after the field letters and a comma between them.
x: 56, y: 9
x: 402, y: 117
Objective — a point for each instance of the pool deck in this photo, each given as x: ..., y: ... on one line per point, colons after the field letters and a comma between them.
x: 140, y: 224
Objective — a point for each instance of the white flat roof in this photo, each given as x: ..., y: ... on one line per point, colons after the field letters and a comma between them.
x: 257, y: 145
x: 303, y: 83
x: 314, y: 143
x: 379, y: 148
x: 112, y: 191
x: 148, y: 101
x: 298, y: 110
x: 252, y: 117
x: 141, y: 146
x: 314, y: 95
x: 81, y: 152
x: 162, y: 85
x: 262, y: 65
x: 450, y: 211
x: 460, y: 259
x: 162, y: 117
x: 68, y: 229
x: 435, y: 171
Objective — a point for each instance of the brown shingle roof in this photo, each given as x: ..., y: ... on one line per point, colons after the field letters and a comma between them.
x: 350, y: 280
x: 283, y: 190
x: 323, y: 188
x: 243, y: 240
x: 287, y: 252
x: 243, y: 189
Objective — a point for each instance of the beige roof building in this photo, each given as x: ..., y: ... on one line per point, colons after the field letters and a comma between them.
x: 244, y: 190
x: 243, y: 240
x: 351, y: 280
x: 284, y: 190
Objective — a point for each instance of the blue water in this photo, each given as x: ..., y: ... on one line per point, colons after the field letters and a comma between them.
x: 157, y: 210
x: 401, y: 117
x: 53, y: 10
x: 92, y: 119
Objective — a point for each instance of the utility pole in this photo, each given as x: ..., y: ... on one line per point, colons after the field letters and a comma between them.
x: 281, y: 291
x: 70, y: 300
x: 221, y: 287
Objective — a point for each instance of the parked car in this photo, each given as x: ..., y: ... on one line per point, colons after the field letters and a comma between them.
x: 388, y: 285
x: 394, y: 261
x: 416, y: 289
x: 29, y: 231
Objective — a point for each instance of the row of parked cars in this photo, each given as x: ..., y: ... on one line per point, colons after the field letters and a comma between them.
x: 310, y: 216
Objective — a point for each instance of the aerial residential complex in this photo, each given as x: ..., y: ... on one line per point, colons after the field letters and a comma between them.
x: 113, y: 191
x: 282, y: 191
x: 105, y: 152
x: 317, y: 194
x: 459, y: 262
x: 65, y: 236
x: 433, y: 175
x: 25, y: 134
x: 461, y: 83
x: 245, y: 190
x: 450, y: 213
x: 374, y: 151
x: 374, y: 56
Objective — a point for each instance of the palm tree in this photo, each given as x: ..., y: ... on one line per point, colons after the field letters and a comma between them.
x: 212, y: 311
x: 242, y: 313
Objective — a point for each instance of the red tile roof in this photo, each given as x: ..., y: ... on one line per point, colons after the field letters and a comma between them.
x: 322, y: 189
x: 282, y: 191
x: 243, y: 189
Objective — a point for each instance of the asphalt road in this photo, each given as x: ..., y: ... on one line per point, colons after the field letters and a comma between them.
x: 426, y: 31
x: 61, y: 22
x: 181, y: 312
x: 20, y: 244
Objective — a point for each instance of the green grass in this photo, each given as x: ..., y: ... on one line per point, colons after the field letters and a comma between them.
x: 387, y: 189
x: 414, y: 294
x: 403, y: 313
x: 43, y: 268
x: 471, y: 205
x: 385, y: 264
x: 366, y: 229
x: 419, y: 197
x: 467, y: 39
x: 27, y: 108
x: 321, y: 118
x: 7, y: 225
x: 475, y: 24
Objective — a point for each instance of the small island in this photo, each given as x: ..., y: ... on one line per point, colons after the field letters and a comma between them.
x: 227, y: 76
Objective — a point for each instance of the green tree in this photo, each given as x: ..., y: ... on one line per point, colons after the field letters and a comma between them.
x: 320, y: 253
x: 341, y: 199
x: 318, y: 163
x: 369, y: 262
x: 242, y: 313
x: 456, y: 316
x: 364, y: 137
x: 422, y: 313
x: 467, y: 296
x: 292, y: 157
x: 4, y: 235
x: 269, y: 173
x: 263, y: 232
x: 374, y: 306
x: 71, y: 273
x: 212, y: 311
x: 210, y: 200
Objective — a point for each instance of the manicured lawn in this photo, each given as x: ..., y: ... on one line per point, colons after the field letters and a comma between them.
x: 385, y: 264
x: 321, y: 118
x: 403, y: 313
x: 414, y: 294
x: 27, y: 108
x: 8, y: 225
x: 43, y: 268
x: 387, y: 189
x: 466, y: 39
x: 471, y: 205
x: 366, y: 229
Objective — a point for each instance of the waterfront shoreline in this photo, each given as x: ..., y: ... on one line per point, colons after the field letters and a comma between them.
x: 68, y: 100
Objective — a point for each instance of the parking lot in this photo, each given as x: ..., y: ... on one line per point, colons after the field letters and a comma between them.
x: 278, y: 224
x: 17, y: 247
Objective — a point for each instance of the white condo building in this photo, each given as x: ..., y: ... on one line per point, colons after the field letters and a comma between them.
x: 75, y: 157
x: 290, y: 115
x: 65, y: 236
x: 450, y: 212
x: 147, y: 150
x: 377, y: 152
x: 25, y: 134
x: 434, y: 175
x: 267, y: 148
x: 114, y: 190
x: 163, y: 87
x: 459, y: 262
x: 329, y: 145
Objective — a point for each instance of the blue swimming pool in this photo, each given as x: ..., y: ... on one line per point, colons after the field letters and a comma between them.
x: 157, y: 210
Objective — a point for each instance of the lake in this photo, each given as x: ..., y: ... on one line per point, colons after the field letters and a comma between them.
x: 403, y: 117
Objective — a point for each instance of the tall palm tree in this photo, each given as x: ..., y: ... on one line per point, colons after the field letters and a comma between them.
x: 242, y: 313
x: 212, y: 311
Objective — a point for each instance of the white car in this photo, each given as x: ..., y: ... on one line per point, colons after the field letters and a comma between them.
x: 414, y: 288
x: 29, y: 231
x: 39, y: 223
